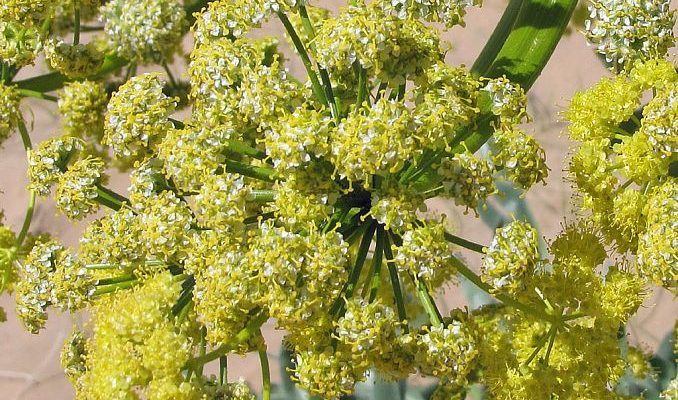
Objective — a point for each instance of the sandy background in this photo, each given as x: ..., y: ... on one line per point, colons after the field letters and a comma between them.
x: 29, y: 364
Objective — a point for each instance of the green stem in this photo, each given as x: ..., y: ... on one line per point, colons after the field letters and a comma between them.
x: 523, y: 54
x: 540, y: 345
x: 261, y: 196
x: 260, y: 173
x: 536, y: 32
x: 203, y: 350
x: 100, y: 290
x: 86, y: 28
x: 373, y: 280
x: 109, y: 198
x: 76, y: 17
x: 635, y: 120
x: 362, y: 85
x: 428, y: 303
x: 324, y: 75
x: 25, y: 137
x: 552, y: 341
x: 238, y: 147
x: 223, y: 370
x: 265, y: 374
x: 464, y: 243
x: 114, y: 280
x: 496, y: 41
x: 395, y: 283
x: 177, y: 124
x: 241, y: 337
x: 305, y: 59
x: 28, y: 217
x: 37, y: 95
x: 173, y: 81
x: 352, y: 281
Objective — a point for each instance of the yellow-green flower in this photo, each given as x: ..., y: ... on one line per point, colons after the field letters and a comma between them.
x: 9, y: 111
x: 138, y: 117
x: 144, y: 31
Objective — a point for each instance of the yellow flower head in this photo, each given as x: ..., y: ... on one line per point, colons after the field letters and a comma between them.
x: 74, y: 61
x: 138, y: 116
x: 144, y: 31
x: 82, y: 105
x: 512, y: 257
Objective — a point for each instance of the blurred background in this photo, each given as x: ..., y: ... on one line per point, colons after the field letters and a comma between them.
x: 29, y: 364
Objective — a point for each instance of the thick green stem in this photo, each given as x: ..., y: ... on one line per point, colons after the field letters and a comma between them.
x: 496, y: 41
x: 305, y: 59
x: 523, y: 54
x: 536, y: 32
x: 464, y: 243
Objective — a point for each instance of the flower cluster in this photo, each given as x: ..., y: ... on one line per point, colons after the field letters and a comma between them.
x: 627, y: 31
x: 19, y: 44
x: 74, y: 61
x: 449, y: 12
x: 137, y: 116
x: 50, y: 275
x: 255, y: 195
x: 144, y: 31
x: 622, y: 167
x: 82, y: 105
x: 512, y: 256
x: 387, y: 47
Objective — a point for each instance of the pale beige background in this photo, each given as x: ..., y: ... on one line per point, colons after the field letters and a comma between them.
x: 29, y: 364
